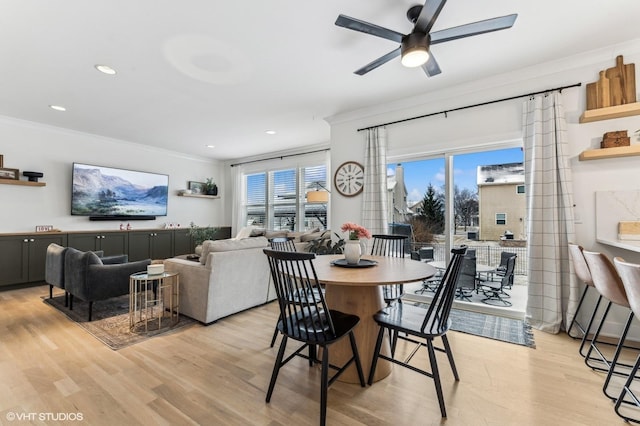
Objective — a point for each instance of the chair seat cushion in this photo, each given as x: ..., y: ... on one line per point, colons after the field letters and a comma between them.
x: 409, y: 318
x: 304, y: 330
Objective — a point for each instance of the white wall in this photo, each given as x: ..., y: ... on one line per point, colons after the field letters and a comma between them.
x: 52, y: 151
x: 499, y: 125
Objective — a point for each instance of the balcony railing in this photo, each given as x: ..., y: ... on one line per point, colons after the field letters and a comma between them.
x: 486, y: 254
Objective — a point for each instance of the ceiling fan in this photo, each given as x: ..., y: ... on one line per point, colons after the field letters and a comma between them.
x: 415, y: 47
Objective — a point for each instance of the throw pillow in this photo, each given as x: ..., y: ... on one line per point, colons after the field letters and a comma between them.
x: 245, y: 232
x: 258, y: 232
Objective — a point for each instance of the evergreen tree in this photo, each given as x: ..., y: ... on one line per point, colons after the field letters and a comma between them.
x: 432, y: 210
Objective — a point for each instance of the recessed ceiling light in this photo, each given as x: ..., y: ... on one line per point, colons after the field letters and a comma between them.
x: 105, y: 69
x: 211, y: 146
x: 270, y: 132
x: 57, y: 107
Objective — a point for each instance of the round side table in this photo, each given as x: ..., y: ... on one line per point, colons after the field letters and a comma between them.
x: 153, y: 298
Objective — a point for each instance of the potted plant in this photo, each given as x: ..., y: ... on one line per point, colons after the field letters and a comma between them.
x: 210, y: 187
x: 201, y: 233
x: 325, y: 245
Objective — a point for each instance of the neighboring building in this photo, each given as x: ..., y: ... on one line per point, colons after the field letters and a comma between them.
x: 397, y: 210
x: 501, y: 200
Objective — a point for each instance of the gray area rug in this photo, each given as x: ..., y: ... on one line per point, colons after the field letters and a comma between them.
x: 491, y: 326
x: 110, y: 321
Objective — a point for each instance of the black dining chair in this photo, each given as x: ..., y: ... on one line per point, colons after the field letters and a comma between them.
x: 312, y: 323
x: 423, y: 325
x: 280, y: 244
x: 390, y: 245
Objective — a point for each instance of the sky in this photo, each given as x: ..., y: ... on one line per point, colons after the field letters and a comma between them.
x: 419, y: 174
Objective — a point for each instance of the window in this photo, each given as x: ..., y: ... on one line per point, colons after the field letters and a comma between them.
x: 501, y: 218
x: 276, y: 199
x: 520, y: 189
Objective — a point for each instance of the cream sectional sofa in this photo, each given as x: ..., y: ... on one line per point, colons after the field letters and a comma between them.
x: 231, y: 276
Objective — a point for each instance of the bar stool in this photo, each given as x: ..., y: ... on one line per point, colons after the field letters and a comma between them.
x: 582, y: 272
x: 609, y: 285
x: 630, y: 276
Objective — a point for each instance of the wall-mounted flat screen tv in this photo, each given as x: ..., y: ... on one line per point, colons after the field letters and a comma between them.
x: 112, y: 193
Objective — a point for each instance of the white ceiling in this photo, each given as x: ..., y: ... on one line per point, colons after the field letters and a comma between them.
x: 198, y: 72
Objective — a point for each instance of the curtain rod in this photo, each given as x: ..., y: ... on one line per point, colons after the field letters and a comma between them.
x: 280, y: 157
x: 471, y: 106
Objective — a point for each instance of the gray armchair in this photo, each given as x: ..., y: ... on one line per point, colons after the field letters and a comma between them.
x: 54, y: 269
x: 91, y: 278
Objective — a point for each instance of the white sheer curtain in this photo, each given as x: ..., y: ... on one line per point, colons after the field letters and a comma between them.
x: 374, y: 200
x: 553, y: 290
x: 237, y: 195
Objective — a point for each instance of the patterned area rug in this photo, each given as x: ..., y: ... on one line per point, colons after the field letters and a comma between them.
x: 491, y: 326
x: 110, y: 321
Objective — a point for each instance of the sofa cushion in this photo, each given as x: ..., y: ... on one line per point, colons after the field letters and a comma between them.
x: 315, y: 235
x: 230, y: 244
x: 276, y: 234
x: 298, y: 235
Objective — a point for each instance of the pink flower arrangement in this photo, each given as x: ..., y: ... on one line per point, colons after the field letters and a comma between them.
x: 355, y: 231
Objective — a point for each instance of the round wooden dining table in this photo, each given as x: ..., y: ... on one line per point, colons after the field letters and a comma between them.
x: 356, y: 290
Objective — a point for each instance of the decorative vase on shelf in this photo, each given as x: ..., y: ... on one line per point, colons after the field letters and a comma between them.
x: 352, y: 251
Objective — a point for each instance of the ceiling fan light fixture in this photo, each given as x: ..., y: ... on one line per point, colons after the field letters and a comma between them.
x: 415, y: 49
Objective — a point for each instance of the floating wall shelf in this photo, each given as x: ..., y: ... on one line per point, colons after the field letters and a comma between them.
x: 618, y: 111
x: 199, y: 195
x: 21, y: 182
x: 620, y: 151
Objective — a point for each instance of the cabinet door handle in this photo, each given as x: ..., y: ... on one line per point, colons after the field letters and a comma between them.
x: 26, y: 240
x: 97, y: 237
x: 31, y: 240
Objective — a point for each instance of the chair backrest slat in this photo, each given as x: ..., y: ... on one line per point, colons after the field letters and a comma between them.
x: 440, y: 307
x: 388, y: 245
x: 302, y: 304
x: 283, y: 244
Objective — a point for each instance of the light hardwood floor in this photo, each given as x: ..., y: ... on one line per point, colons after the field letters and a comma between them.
x: 219, y: 374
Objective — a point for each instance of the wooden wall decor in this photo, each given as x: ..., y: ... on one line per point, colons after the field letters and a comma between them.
x: 616, y: 86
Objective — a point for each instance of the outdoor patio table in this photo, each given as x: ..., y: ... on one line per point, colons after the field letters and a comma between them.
x: 480, y: 268
x: 356, y: 290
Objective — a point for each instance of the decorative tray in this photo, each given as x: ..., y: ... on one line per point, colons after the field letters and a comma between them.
x: 363, y: 263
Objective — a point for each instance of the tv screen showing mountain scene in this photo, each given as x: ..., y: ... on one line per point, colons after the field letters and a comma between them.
x: 107, y: 191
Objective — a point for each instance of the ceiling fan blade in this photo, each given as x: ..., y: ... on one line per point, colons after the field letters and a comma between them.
x: 474, y: 28
x: 380, y: 61
x: 368, y: 28
x: 431, y: 67
x: 428, y: 15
